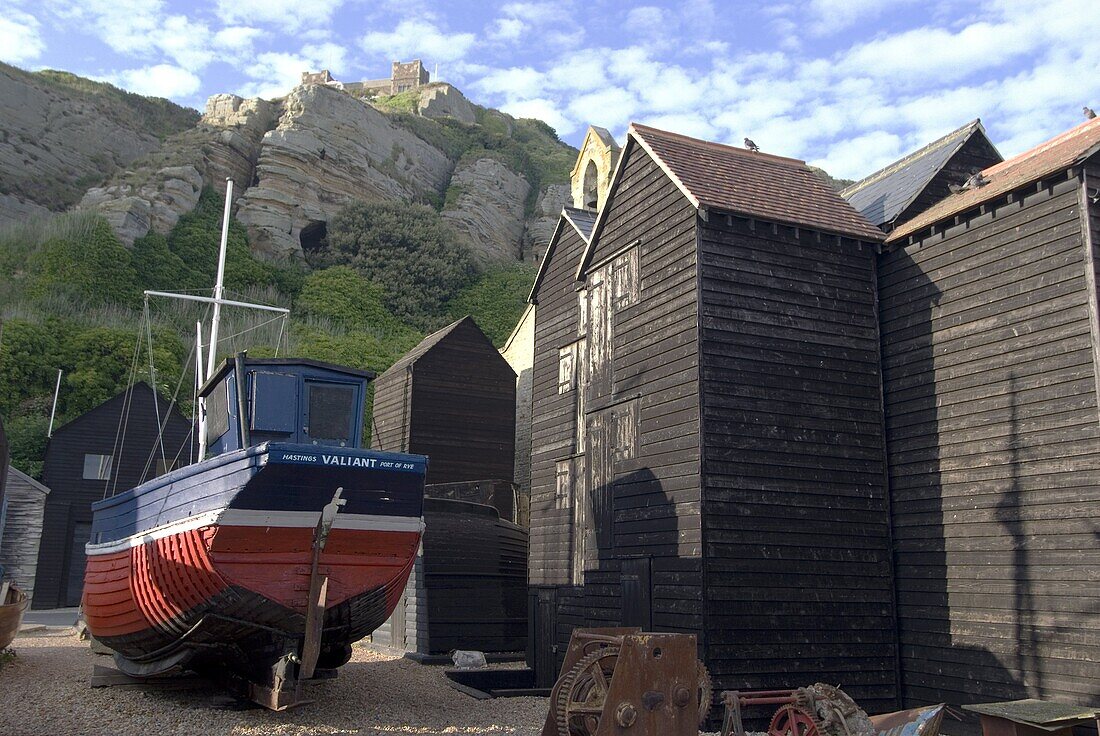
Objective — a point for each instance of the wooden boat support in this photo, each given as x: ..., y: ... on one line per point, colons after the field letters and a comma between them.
x: 12, y: 604
x: 299, y: 663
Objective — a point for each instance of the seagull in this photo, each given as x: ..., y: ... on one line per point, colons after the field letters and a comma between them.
x: 1089, y: 112
x: 751, y: 146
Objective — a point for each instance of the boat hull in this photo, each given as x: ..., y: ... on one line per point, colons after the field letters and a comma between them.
x: 224, y: 579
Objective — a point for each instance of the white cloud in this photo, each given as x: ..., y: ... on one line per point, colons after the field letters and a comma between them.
x: 236, y: 41
x: 829, y: 16
x: 543, y: 109
x: 290, y: 15
x: 418, y: 39
x: 20, y: 41
x: 162, y: 80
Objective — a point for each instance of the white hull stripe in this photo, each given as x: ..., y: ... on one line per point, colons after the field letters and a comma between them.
x: 261, y: 518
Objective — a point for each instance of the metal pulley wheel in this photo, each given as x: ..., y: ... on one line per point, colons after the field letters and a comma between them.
x: 581, y: 694
x: 790, y: 720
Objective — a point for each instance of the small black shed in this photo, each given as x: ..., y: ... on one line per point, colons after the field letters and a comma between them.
x: 452, y: 398
x: 110, y: 449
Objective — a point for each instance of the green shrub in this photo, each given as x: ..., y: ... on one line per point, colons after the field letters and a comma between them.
x: 346, y: 297
x: 27, y: 442
x: 96, y: 268
x: 496, y: 300
x: 408, y: 250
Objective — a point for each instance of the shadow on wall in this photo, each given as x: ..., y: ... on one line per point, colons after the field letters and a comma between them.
x: 955, y: 636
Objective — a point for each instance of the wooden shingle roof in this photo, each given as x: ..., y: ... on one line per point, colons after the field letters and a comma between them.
x: 713, y: 175
x: 885, y: 194
x: 1059, y: 153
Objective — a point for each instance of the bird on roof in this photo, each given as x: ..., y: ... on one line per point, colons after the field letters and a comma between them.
x: 1089, y: 112
x: 751, y: 146
x: 976, y: 180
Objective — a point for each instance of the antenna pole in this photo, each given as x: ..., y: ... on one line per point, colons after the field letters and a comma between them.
x: 219, y: 286
x: 53, y: 411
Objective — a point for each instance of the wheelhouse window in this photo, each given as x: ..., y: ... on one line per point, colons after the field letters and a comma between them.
x: 330, y: 412
x: 217, y: 411
x: 97, y: 467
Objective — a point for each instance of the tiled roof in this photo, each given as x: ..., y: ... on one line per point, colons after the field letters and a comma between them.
x: 754, y: 184
x: 885, y: 194
x: 581, y: 220
x: 1060, y: 152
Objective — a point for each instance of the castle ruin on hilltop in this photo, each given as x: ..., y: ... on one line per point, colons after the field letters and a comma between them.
x: 404, y: 76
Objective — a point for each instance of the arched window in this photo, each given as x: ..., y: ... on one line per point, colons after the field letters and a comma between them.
x: 591, y: 195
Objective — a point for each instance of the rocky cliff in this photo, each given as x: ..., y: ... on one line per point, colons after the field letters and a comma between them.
x: 296, y: 161
x: 60, y: 134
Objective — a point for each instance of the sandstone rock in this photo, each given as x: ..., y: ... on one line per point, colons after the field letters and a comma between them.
x: 488, y: 203
x: 540, y: 228
x: 443, y: 100
x: 158, y: 205
x: 54, y: 140
x: 327, y: 151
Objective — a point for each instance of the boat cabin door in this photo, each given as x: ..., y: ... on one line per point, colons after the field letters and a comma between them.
x: 328, y: 416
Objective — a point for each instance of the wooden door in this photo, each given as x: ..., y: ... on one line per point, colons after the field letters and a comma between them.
x: 637, y: 592
x: 74, y: 585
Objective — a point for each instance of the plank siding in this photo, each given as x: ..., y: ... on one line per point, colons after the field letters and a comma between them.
x: 69, y: 505
x: 453, y: 398
x: 989, y: 365
x: 647, y: 498
x: 796, y: 526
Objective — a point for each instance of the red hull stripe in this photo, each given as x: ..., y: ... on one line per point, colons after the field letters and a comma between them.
x: 153, y: 584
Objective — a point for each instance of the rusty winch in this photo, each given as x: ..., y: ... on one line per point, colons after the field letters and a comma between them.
x: 622, y: 681
x: 817, y: 710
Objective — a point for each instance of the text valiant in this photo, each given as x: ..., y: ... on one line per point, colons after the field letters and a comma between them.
x: 351, y: 462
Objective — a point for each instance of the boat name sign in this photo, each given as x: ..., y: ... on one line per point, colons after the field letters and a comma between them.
x: 348, y: 461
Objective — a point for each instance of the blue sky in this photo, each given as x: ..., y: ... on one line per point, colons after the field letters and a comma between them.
x: 848, y: 85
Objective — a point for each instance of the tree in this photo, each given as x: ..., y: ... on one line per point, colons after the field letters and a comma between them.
x: 406, y: 249
x: 96, y: 268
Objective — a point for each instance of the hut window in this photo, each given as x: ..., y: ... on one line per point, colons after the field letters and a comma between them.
x: 582, y: 312
x: 563, y: 494
x: 625, y: 276
x: 97, y: 467
x: 591, y: 189
x: 625, y: 438
x: 567, y: 368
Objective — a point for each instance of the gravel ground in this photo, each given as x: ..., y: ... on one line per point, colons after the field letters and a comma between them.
x: 45, y: 691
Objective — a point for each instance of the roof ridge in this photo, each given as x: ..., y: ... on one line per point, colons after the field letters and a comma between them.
x: 901, y: 163
x: 712, y: 144
x: 1044, y: 146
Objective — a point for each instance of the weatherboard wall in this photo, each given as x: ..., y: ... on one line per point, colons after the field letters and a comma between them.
x: 638, y: 457
x: 66, y: 523
x: 795, y: 515
x: 989, y: 342
x: 454, y: 402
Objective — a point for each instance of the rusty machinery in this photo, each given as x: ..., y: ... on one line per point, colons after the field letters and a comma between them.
x: 621, y: 681
x: 818, y: 710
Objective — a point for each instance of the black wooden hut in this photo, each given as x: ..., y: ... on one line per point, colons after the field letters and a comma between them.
x: 990, y: 355
x: 453, y: 398
x: 111, y: 448
x: 707, y: 451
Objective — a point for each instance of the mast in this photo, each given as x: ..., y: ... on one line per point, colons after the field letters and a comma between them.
x: 219, y: 285
x: 199, y: 381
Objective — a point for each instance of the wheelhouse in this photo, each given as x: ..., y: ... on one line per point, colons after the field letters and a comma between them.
x: 301, y: 401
